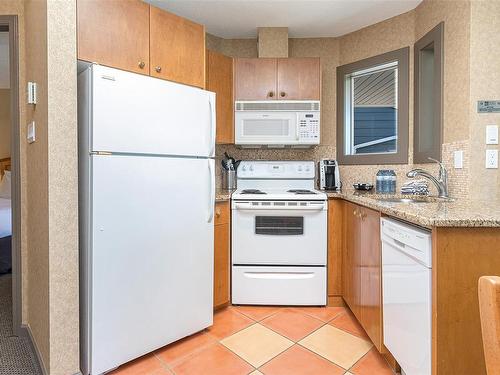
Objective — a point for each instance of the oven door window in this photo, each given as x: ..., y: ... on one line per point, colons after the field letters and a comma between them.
x: 279, y: 225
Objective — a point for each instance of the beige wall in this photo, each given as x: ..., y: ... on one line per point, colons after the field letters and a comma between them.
x: 397, y: 32
x: 5, y: 124
x: 48, y: 180
x: 484, y: 85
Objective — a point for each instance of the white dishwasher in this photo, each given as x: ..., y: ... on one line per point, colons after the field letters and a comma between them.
x: 406, y: 294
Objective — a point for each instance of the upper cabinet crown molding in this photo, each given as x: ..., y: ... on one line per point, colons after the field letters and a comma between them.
x: 277, y: 79
x: 114, y: 33
x: 134, y: 36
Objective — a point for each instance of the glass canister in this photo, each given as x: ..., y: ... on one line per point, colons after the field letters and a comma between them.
x: 386, y: 181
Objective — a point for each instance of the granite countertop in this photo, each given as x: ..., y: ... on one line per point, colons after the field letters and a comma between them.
x: 436, y: 213
x: 223, y: 195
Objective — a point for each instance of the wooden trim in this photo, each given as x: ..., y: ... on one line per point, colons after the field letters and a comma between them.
x: 336, y: 301
x: 401, y: 156
x: 12, y: 23
x: 335, y: 241
x: 434, y: 37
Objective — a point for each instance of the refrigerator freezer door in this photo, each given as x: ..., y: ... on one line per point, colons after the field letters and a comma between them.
x: 152, y: 254
x: 133, y: 113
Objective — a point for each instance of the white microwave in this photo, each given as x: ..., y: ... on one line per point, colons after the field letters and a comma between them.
x: 277, y: 123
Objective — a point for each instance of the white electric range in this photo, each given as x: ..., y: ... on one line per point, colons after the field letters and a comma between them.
x: 279, y: 235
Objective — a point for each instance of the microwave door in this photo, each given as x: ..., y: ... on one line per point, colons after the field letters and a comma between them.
x: 272, y: 128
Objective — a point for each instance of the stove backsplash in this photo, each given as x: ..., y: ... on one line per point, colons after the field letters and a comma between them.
x: 457, y: 178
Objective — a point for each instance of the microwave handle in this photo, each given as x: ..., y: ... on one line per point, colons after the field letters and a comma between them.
x: 297, y: 127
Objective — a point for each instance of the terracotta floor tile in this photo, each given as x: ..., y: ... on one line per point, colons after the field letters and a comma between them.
x: 371, y: 364
x: 349, y: 323
x: 256, y: 372
x: 293, y: 324
x: 174, y: 352
x: 257, y: 313
x: 213, y: 360
x: 336, y: 345
x: 300, y: 361
x: 227, y: 322
x: 145, y: 365
x: 323, y: 313
x: 257, y: 344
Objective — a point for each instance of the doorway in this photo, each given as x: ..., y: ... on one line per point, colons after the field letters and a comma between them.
x: 17, y: 353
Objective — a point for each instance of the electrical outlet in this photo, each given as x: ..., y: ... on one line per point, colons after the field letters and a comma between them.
x: 492, y: 159
x: 458, y: 159
x: 31, y: 132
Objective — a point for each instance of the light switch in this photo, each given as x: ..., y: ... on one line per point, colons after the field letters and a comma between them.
x: 458, y: 157
x: 31, y: 132
x: 32, y: 92
x: 492, y: 159
x: 491, y: 134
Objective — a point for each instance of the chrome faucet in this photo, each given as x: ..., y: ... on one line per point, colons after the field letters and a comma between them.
x: 441, y: 182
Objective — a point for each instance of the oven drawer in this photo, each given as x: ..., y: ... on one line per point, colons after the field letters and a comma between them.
x: 279, y: 285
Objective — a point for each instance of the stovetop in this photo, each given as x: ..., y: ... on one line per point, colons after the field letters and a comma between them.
x: 278, y: 194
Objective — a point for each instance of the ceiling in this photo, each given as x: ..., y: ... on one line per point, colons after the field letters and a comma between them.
x: 4, y: 61
x: 305, y: 19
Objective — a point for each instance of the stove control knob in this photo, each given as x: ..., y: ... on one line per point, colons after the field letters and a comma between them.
x: 244, y: 168
x: 308, y: 169
x: 299, y: 168
x: 251, y: 168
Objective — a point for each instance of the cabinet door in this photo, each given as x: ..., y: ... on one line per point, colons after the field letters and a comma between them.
x: 299, y: 79
x: 221, y: 255
x: 335, y: 236
x: 371, y: 276
x: 220, y: 80
x: 177, y: 48
x: 114, y: 33
x: 351, y: 259
x: 255, y: 79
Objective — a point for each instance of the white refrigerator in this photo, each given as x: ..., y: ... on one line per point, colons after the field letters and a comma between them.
x: 147, y: 192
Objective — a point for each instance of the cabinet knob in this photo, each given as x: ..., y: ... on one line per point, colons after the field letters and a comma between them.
x: 158, y: 69
x: 217, y: 213
x: 141, y: 64
x: 270, y: 94
x: 282, y: 94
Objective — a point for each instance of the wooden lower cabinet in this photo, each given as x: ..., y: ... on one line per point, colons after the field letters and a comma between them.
x: 362, y: 269
x: 335, y: 235
x: 222, y: 255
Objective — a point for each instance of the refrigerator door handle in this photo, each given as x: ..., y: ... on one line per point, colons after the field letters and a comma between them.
x: 211, y: 198
x: 212, y: 127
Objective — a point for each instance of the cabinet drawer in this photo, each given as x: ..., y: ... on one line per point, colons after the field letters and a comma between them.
x: 221, y: 213
x: 279, y: 285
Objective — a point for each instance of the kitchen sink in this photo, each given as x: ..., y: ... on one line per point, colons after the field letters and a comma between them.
x: 414, y: 199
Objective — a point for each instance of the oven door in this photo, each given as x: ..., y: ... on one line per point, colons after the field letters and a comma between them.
x: 289, y: 235
x: 271, y: 128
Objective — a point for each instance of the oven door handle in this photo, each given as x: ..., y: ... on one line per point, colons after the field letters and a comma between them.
x: 245, y: 207
x: 279, y: 275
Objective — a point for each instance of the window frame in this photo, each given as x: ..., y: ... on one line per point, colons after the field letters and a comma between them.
x: 401, y: 56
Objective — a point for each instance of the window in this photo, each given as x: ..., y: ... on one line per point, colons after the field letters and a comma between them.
x: 372, y: 102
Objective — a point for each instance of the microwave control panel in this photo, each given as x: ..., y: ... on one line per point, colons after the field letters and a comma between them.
x: 308, y: 127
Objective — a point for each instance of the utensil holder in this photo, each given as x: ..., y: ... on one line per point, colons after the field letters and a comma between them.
x: 228, y: 180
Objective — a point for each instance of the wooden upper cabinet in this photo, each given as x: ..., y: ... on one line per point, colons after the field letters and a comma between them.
x: 114, y: 33
x: 219, y: 77
x: 255, y: 79
x: 299, y: 79
x: 177, y: 48
x: 280, y: 79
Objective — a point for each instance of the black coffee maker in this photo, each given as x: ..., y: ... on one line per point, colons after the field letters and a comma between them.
x: 329, y: 176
